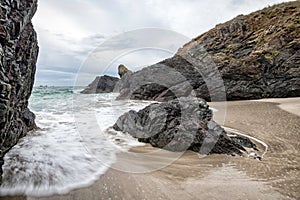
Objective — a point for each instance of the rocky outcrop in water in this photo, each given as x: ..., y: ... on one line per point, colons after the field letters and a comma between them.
x: 102, y: 84
x: 18, y: 56
x: 250, y: 57
x: 107, y: 84
x: 178, y: 125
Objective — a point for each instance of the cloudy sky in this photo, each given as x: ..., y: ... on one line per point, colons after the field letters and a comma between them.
x: 71, y: 31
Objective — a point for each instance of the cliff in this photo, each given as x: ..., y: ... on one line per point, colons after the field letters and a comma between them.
x: 18, y: 56
x: 255, y: 56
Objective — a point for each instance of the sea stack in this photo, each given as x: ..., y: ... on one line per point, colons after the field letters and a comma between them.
x: 18, y: 56
x: 122, y: 70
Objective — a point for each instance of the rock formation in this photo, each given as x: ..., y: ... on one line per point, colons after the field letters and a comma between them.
x: 178, y: 125
x: 122, y: 70
x: 107, y: 84
x: 18, y: 56
x: 255, y: 56
x: 102, y: 84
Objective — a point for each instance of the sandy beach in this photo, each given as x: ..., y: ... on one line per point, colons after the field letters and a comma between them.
x: 97, y: 96
x: 274, y: 121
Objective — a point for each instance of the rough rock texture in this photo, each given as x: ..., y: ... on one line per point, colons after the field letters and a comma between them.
x: 178, y: 125
x: 102, y: 84
x: 254, y: 56
x: 18, y: 56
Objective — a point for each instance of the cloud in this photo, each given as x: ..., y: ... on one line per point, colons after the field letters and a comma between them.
x: 61, y: 78
x: 70, y: 30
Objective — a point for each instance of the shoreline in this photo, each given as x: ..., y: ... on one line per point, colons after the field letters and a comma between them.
x: 216, y: 176
x: 237, y: 132
x: 291, y: 105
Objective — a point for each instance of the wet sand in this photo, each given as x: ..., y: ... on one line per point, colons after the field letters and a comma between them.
x: 214, y: 176
x: 291, y: 105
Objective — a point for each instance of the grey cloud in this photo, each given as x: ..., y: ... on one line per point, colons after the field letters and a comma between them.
x: 69, y: 30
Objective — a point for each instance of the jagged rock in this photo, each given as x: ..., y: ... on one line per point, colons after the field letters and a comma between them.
x: 102, y: 84
x: 153, y: 83
x: 29, y: 119
x: 178, y: 125
x: 122, y: 70
x: 18, y: 56
x: 245, y: 142
x: 255, y: 56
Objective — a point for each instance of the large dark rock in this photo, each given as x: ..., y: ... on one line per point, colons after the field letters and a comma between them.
x: 18, y: 56
x: 250, y: 57
x: 102, y: 84
x: 178, y: 125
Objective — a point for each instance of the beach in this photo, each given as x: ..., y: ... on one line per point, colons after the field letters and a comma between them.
x: 114, y: 103
x: 274, y: 121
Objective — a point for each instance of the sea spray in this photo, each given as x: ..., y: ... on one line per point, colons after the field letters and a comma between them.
x: 57, y: 157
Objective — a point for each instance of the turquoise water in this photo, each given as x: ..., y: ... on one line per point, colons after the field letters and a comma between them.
x: 72, y: 146
x: 50, y: 98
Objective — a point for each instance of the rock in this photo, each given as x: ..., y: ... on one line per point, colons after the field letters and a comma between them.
x: 178, y: 125
x: 18, y: 56
x: 29, y: 120
x: 245, y: 142
x: 122, y: 70
x: 255, y: 56
x: 146, y: 91
x: 152, y: 83
x: 102, y: 84
x: 107, y: 84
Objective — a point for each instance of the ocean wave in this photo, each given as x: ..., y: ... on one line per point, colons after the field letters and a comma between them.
x: 73, y: 145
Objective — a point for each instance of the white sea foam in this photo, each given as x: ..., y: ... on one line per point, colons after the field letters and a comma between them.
x: 68, y: 151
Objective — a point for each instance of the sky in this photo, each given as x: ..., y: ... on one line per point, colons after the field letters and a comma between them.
x: 80, y: 39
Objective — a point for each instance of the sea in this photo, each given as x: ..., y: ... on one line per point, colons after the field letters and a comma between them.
x: 73, y: 145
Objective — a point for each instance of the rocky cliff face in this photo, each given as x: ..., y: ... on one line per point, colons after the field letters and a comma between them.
x: 256, y: 56
x: 18, y: 55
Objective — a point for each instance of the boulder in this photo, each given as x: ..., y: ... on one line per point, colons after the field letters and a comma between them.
x: 179, y: 125
x: 250, y: 57
x: 102, y: 84
x: 18, y: 56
